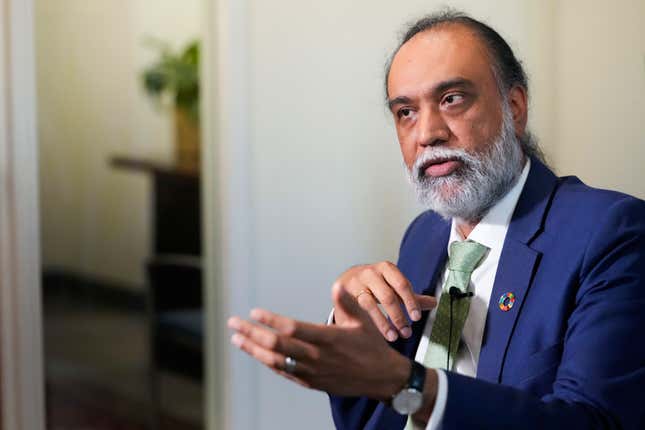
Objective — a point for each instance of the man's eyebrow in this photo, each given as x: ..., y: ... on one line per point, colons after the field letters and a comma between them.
x: 451, y: 83
x: 436, y: 89
x: 401, y: 100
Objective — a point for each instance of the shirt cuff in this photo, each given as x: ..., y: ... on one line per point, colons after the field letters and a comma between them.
x: 434, y: 423
x: 330, y: 318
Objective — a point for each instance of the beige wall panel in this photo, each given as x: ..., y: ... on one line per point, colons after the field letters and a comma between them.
x: 327, y: 185
x: 600, y: 93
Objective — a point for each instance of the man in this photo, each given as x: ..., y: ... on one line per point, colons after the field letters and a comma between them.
x: 539, y: 279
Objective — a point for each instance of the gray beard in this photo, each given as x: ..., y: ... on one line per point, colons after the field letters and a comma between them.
x: 484, y: 178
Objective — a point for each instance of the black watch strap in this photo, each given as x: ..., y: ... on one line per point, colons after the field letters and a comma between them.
x: 417, y: 377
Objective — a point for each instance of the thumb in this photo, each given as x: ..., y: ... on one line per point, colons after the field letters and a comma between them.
x: 426, y: 302
x: 344, y: 302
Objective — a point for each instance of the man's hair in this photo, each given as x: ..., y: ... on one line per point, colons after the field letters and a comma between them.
x: 507, y: 69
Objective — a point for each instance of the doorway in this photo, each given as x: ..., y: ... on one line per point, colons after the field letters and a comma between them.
x: 120, y: 210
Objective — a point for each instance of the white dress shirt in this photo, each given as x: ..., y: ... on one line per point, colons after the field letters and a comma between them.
x: 490, y: 232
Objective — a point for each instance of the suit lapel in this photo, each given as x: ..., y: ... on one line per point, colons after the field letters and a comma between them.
x: 514, y: 273
x: 422, y: 261
x: 424, y: 255
x: 434, y: 262
x: 517, y: 265
x: 436, y: 256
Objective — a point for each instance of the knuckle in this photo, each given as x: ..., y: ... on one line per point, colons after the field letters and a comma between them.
x: 385, y: 266
x: 348, y: 275
x: 246, y: 347
x: 366, y: 302
x: 398, y: 320
x: 313, y: 372
x: 289, y: 328
x: 355, y: 286
x: 348, y: 284
x: 411, y: 302
x: 368, y: 272
x: 273, y: 361
x: 242, y: 344
x: 272, y: 341
x: 331, y: 339
x: 383, y: 326
x: 314, y: 355
x: 244, y: 329
x: 399, y: 284
x: 388, y: 298
x: 378, y: 319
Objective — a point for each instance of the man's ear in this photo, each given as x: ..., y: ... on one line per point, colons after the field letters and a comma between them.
x: 518, y: 102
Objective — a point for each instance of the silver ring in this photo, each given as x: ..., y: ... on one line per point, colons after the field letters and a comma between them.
x: 290, y: 365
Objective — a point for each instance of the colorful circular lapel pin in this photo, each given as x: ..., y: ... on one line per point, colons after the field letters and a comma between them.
x: 506, y: 302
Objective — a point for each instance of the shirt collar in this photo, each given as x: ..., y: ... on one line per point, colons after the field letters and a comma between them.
x: 491, y: 230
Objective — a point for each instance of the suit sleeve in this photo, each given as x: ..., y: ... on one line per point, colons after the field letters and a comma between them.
x: 600, y: 379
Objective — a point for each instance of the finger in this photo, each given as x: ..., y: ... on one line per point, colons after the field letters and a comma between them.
x: 355, y: 288
x: 426, y: 302
x: 347, y: 303
x: 274, y: 360
x: 389, y: 299
x: 369, y: 304
x: 403, y: 288
x: 311, y: 333
x: 269, y: 339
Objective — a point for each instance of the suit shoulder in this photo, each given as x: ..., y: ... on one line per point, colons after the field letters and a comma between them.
x: 423, y: 222
x: 587, y: 206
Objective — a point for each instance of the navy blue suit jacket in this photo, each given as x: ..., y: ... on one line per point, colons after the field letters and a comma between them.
x: 570, y: 353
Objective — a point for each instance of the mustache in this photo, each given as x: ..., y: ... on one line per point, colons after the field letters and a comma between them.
x: 438, y: 155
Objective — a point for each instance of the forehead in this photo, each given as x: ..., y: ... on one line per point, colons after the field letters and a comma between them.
x: 437, y: 55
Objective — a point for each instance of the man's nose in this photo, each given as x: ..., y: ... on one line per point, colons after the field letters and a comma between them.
x: 432, y: 128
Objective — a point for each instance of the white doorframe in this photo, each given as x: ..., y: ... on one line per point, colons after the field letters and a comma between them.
x: 21, y: 350
x: 231, y: 400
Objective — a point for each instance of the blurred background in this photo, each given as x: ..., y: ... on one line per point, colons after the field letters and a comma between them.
x: 202, y: 157
x: 121, y: 233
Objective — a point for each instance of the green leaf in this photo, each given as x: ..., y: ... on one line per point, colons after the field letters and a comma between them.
x: 175, y: 73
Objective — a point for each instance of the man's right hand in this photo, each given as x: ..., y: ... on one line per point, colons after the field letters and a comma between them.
x: 383, y: 283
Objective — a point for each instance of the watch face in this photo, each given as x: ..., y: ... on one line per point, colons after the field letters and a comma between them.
x: 408, y: 401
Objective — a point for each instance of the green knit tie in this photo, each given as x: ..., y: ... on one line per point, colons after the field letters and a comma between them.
x: 464, y: 258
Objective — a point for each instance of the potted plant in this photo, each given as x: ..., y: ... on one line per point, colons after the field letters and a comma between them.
x: 174, y: 77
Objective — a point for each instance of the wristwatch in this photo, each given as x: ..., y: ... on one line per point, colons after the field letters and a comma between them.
x: 410, y: 398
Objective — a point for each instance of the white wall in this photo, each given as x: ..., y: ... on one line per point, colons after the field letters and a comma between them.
x: 326, y: 182
x: 600, y: 93
x: 95, y: 219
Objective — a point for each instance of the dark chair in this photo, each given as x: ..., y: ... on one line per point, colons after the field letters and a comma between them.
x: 176, y: 321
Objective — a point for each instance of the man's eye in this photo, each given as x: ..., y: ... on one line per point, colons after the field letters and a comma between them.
x: 453, y: 98
x: 404, y: 113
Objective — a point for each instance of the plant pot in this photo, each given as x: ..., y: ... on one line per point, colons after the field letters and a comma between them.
x: 186, y: 142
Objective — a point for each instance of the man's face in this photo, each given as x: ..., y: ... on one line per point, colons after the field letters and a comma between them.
x: 442, y: 91
x: 453, y: 126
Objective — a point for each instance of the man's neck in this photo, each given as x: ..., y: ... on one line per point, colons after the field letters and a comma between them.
x: 465, y: 228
